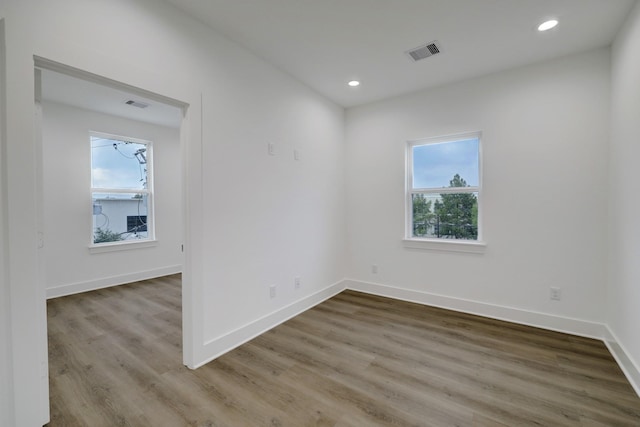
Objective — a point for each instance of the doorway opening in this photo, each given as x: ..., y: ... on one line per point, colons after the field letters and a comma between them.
x: 82, y: 186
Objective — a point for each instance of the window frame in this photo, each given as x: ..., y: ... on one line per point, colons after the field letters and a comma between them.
x: 455, y: 245
x: 150, y: 240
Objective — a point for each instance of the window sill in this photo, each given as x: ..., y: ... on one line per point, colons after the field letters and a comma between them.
x: 121, y: 246
x: 473, y: 247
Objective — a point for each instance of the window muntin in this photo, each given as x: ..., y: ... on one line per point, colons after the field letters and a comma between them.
x: 121, y: 189
x: 444, y: 188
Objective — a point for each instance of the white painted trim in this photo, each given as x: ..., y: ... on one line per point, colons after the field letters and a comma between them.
x: 123, y: 245
x: 107, y: 282
x: 578, y: 327
x: 7, y: 390
x: 629, y: 367
x: 409, y: 190
x: 445, y: 245
x: 149, y: 191
x: 225, y: 343
x: 191, y: 137
x: 59, y: 67
x: 551, y: 322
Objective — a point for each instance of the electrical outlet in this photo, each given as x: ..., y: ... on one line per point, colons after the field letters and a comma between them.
x: 555, y: 294
x: 296, y: 283
x: 272, y: 291
x: 374, y: 269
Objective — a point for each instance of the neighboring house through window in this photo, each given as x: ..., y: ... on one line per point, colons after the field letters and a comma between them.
x: 121, y: 189
x: 444, y: 188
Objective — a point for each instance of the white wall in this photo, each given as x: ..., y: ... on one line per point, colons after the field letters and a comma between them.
x: 69, y: 265
x: 269, y: 219
x: 623, y: 308
x: 269, y: 216
x: 6, y: 385
x: 255, y: 220
x: 545, y: 132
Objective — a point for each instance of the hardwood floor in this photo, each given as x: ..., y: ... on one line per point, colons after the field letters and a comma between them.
x: 354, y: 360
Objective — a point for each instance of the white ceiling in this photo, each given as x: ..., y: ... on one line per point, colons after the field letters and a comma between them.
x: 326, y: 43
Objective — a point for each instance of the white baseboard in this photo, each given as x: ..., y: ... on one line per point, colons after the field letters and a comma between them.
x: 626, y: 363
x: 225, y: 343
x: 106, y: 282
x: 567, y: 325
x: 531, y: 318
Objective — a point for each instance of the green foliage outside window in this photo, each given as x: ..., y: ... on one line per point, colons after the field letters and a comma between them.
x: 104, y: 236
x: 454, y: 215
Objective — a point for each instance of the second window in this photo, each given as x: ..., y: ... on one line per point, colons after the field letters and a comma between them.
x: 121, y: 189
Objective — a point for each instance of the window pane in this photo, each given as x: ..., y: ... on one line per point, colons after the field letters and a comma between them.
x: 436, y: 165
x: 445, y: 216
x: 118, y: 164
x: 119, y: 216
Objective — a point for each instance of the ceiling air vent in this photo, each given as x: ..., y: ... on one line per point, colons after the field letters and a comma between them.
x: 136, y: 104
x: 424, y: 51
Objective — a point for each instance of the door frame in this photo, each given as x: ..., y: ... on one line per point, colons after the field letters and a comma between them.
x: 187, y: 198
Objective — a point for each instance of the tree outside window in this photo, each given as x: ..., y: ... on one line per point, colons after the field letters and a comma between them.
x: 444, y: 188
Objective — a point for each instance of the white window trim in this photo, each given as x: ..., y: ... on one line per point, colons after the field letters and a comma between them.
x: 123, y: 245
x: 447, y: 245
x: 149, y: 191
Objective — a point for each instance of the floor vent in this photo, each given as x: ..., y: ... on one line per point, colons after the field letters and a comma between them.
x: 424, y: 51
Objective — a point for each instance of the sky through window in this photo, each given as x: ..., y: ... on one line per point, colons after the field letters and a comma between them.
x: 434, y: 165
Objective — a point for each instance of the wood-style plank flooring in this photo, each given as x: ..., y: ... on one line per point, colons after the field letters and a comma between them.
x: 354, y: 360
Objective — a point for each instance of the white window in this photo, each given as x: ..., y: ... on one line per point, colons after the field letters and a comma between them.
x: 444, y: 189
x: 121, y: 189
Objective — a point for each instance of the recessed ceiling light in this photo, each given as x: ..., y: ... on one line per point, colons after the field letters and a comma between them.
x: 547, y: 25
x: 354, y: 83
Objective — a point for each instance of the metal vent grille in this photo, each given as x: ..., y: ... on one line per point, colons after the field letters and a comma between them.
x: 136, y: 104
x: 424, y: 51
